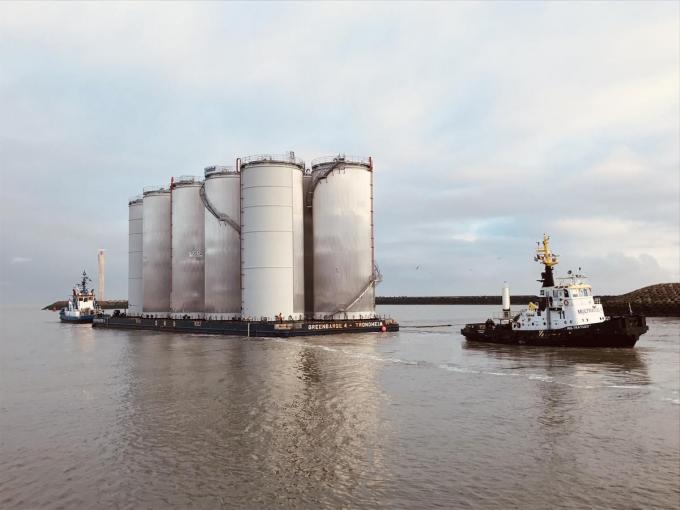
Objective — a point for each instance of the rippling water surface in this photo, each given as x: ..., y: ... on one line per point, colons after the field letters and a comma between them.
x: 415, y: 419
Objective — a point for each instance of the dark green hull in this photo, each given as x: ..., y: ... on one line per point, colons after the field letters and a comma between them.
x: 248, y: 328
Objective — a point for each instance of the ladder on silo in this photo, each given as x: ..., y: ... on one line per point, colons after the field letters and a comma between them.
x: 322, y: 175
x: 375, y: 279
x: 221, y: 217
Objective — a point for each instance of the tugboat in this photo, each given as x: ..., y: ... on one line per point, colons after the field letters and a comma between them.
x: 82, y: 305
x: 566, y: 315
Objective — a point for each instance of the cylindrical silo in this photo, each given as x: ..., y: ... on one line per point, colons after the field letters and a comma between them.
x: 342, y: 208
x: 188, y: 228
x: 309, y: 245
x: 272, y: 237
x: 135, y: 257
x: 156, y: 240
x: 222, y: 202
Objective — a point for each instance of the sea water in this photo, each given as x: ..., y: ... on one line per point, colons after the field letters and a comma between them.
x: 416, y: 419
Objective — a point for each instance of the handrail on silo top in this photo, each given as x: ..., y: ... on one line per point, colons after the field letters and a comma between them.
x: 273, y: 158
x: 187, y: 179
x: 219, y: 170
x: 355, y: 160
x: 153, y: 189
x: 136, y: 198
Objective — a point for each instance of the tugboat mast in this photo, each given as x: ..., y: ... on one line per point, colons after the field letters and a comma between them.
x: 83, y: 283
x: 548, y: 259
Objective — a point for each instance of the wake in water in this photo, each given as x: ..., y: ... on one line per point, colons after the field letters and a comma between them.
x: 456, y: 368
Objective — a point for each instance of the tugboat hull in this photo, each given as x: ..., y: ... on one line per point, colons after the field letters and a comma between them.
x: 86, y: 319
x: 78, y: 321
x: 614, y: 332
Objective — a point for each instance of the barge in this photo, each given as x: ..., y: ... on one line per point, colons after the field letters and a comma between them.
x: 247, y: 328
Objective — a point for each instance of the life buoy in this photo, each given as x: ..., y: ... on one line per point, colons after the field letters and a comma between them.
x: 566, y: 302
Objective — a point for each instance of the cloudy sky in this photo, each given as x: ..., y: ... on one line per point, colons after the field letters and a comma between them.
x: 489, y: 124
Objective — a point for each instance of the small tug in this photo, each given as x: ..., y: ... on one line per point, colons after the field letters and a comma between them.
x: 567, y: 315
x: 82, y: 305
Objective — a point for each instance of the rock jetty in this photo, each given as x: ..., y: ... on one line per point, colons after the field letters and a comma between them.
x: 660, y: 300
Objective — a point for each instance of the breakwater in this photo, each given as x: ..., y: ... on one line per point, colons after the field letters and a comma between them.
x: 660, y: 300
x: 113, y: 304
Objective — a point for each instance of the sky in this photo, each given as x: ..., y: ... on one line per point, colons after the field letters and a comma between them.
x: 489, y: 124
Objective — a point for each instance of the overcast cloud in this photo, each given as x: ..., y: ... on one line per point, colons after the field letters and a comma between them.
x: 489, y: 124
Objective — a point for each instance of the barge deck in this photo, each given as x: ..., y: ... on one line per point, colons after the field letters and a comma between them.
x: 248, y: 328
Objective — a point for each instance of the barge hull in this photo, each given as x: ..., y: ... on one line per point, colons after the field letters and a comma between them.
x: 246, y: 328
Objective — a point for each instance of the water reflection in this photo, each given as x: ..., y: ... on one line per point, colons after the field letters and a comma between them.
x: 83, y: 335
x: 568, y: 387
x: 260, y: 421
x: 623, y: 360
x: 405, y: 420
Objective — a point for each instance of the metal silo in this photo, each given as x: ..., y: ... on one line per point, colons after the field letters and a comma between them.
x: 342, y: 206
x: 188, y: 227
x: 272, y: 237
x: 309, y: 245
x: 135, y: 258
x: 221, y: 198
x: 156, y: 265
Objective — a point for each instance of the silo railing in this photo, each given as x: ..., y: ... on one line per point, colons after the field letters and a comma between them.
x: 187, y: 179
x: 153, y: 189
x: 356, y: 160
x: 220, y: 169
x: 273, y: 158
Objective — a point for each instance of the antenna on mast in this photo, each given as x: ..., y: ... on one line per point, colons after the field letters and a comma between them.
x: 548, y: 259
